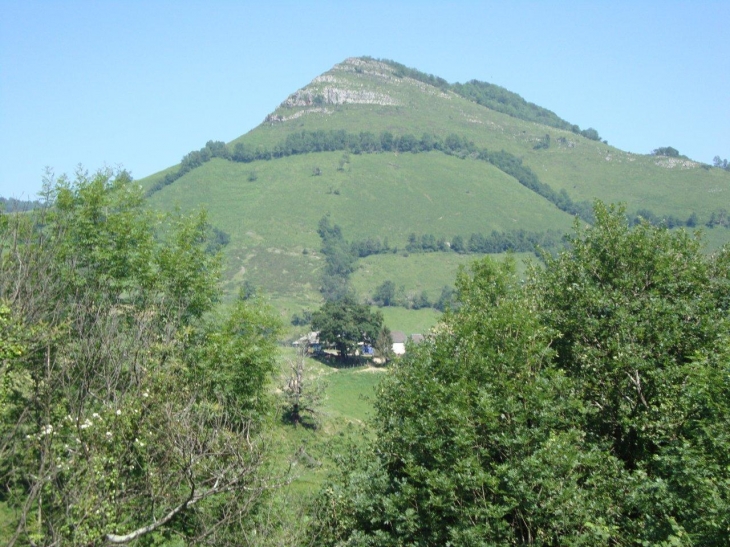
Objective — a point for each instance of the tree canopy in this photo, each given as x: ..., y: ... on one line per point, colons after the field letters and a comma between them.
x: 667, y: 151
x: 587, y: 406
x: 345, y: 323
x: 129, y: 406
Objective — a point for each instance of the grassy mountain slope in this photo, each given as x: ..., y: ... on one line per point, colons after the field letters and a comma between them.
x: 384, y: 195
x: 271, y: 207
x: 273, y: 219
x: 587, y: 169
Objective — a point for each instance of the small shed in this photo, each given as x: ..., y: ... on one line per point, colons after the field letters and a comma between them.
x: 399, y: 342
x: 307, y: 340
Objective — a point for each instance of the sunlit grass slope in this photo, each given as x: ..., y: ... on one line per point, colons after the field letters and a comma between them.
x: 271, y: 208
x: 384, y: 195
x: 272, y: 220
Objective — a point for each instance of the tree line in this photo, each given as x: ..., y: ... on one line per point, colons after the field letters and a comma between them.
x: 718, y: 218
x: 341, y: 255
x: 387, y: 294
x: 306, y: 142
x: 12, y: 205
x: 518, y: 241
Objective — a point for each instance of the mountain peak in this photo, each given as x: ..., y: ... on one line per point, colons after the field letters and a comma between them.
x: 355, y: 81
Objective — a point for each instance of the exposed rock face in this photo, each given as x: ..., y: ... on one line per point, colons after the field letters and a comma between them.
x: 370, y: 67
x: 672, y: 163
x: 329, y: 89
x: 354, y: 81
x: 336, y: 95
x: 275, y: 118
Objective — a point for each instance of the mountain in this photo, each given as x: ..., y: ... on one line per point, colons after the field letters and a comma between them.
x: 387, y: 151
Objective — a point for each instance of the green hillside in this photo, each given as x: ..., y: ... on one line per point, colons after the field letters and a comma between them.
x: 268, y: 193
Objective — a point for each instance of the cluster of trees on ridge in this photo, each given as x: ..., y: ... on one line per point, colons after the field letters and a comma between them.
x: 589, y: 405
x: 518, y: 241
x: 341, y: 256
x: 667, y: 151
x: 720, y: 163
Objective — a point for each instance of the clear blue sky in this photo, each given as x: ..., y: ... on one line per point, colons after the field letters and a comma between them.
x: 141, y: 83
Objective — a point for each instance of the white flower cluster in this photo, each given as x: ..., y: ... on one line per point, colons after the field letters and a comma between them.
x: 87, y: 422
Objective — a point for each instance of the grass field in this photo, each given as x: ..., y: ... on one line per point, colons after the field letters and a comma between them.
x: 272, y: 221
x: 410, y: 321
x: 418, y: 272
x: 344, y: 413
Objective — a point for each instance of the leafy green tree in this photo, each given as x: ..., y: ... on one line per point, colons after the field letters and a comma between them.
x: 447, y: 299
x: 589, y: 406
x: 421, y: 301
x: 642, y: 317
x: 427, y: 142
x: 243, y: 153
x: 470, y: 439
x: 457, y: 245
x: 384, y: 294
x: 717, y: 161
x: 300, y: 320
x: 591, y: 133
x: 407, y: 143
x: 129, y: 409
x: 218, y: 149
x: 667, y: 151
x: 345, y: 323
x: 384, y: 344
x: 340, y: 260
x: 387, y: 142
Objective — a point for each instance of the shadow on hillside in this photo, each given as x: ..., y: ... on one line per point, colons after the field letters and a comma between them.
x: 334, y: 361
